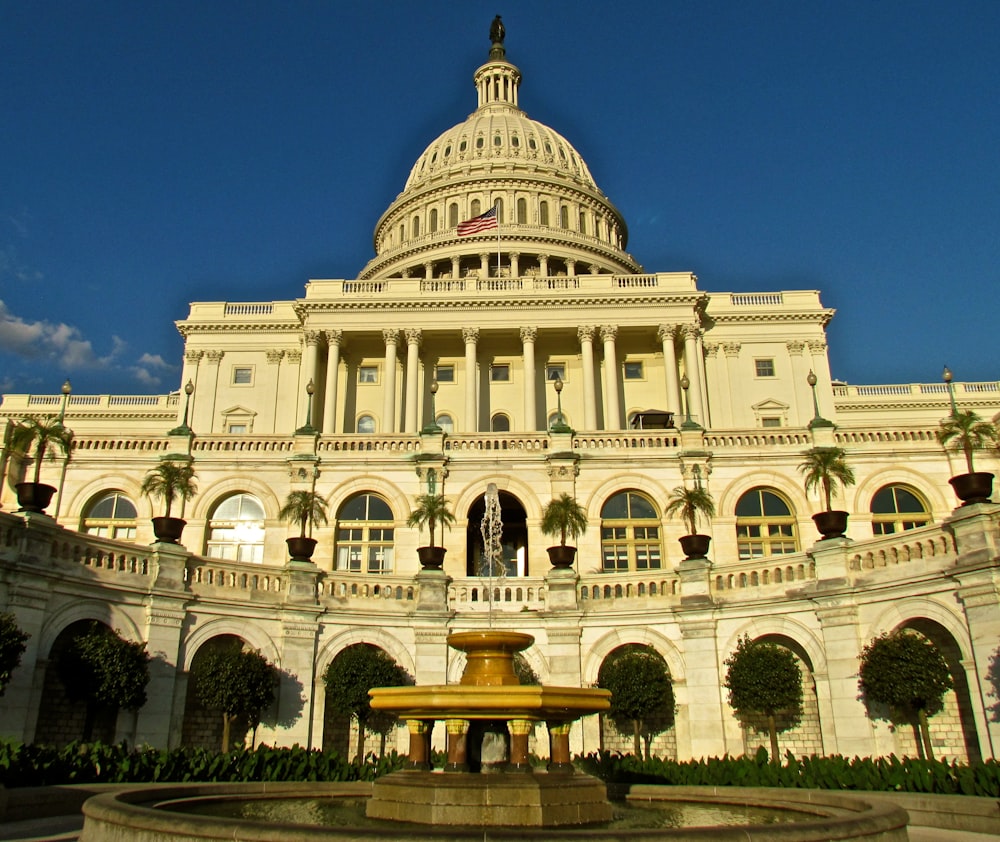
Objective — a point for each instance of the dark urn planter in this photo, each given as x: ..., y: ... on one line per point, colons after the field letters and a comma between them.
x: 561, y: 555
x: 969, y: 488
x: 695, y: 546
x: 168, y: 530
x: 831, y: 524
x: 301, y: 549
x: 34, y: 496
x: 431, y: 558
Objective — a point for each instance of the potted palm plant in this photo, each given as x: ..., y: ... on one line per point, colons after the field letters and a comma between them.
x: 565, y: 517
x: 966, y: 432
x: 687, y: 504
x: 45, y: 435
x: 169, y: 481
x: 826, y: 469
x: 431, y: 510
x: 308, y: 509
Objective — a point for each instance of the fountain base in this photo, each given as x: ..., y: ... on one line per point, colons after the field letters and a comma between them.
x: 497, y: 800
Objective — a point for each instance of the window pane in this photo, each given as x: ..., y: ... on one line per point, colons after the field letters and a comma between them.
x: 640, y: 507
x: 616, y: 508
x: 774, y: 506
x: 445, y: 374
x: 500, y: 373
x: 633, y: 371
x: 366, y: 424
x: 242, y: 375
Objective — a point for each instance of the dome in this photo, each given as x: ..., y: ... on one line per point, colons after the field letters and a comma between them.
x: 552, y: 217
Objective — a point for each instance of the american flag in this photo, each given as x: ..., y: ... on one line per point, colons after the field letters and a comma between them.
x: 483, y: 222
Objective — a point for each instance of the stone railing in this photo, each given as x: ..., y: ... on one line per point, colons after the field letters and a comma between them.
x: 364, y: 590
x: 513, y: 442
x: 927, y: 542
x: 509, y: 595
x: 146, y: 405
x: 242, y: 444
x: 759, y: 438
x: 365, y: 443
x: 220, y: 578
x: 783, y: 570
x: 626, y: 440
x: 596, y: 590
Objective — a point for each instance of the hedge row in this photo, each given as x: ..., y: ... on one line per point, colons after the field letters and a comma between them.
x: 884, y: 774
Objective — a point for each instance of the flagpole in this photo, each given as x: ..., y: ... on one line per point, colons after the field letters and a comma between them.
x: 495, y: 206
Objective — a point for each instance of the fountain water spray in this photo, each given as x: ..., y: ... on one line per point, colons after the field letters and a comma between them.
x: 491, y: 564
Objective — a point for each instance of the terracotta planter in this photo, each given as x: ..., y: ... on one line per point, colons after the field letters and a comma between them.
x: 34, y: 496
x: 431, y: 558
x: 695, y: 546
x: 831, y: 524
x: 561, y: 556
x: 168, y: 530
x: 970, y: 488
x: 301, y: 549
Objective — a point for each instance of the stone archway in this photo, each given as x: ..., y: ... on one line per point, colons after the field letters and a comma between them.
x: 202, y: 728
x: 514, y: 539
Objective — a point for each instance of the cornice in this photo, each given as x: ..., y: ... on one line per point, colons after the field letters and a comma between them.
x: 239, y: 327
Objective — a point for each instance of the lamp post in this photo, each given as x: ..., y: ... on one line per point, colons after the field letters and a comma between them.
x: 951, y: 390
x: 688, y: 424
x: 66, y: 390
x: 560, y: 425
x: 184, y: 429
x: 432, y: 427
x: 308, y: 429
x: 818, y: 420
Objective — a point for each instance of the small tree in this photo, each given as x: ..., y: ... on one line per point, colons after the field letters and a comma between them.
x: 764, y: 680
x: 966, y: 432
x: 688, y: 503
x: 564, y: 516
x: 826, y: 468
x: 431, y: 510
x: 168, y: 481
x: 12, y: 646
x: 306, y: 508
x: 45, y: 435
x: 238, y: 683
x: 906, y: 672
x: 105, y: 672
x: 351, y: 675
x: 642, y: 695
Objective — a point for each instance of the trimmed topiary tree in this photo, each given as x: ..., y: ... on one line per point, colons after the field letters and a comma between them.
x: 765, y: 683
x: 642, y: 694
x: 905, y: 672
x: 12, y: 646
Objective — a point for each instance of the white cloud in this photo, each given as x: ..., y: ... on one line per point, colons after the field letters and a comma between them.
x: 154, y: 361
x: 59, y: 343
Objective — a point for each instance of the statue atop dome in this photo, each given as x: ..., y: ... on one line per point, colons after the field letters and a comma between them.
x: 497, y: 31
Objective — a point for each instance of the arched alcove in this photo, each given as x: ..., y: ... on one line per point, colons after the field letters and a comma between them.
x: 514, y: 537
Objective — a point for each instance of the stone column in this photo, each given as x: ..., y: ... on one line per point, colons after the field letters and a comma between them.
x: 520, y: 730
x: 515, y: 269
x: 413, y: 337
x: 307, y: 373
x: 428, y: 270
x: 824, y: 386
x: 802, y: 409
x: 210, y: 384
x: 586, y: 336
x: 720, y: 379
x: 560, y: 761
x: 293, y: 357
x: 458, y: 756
x: 612, y: 412
x: 706, y: 413
x: 543, y: 265
x: 456, y: 266
x: 484, y: 265
x: 471, y: 337
x: 333, y: 340
x: 693, y: 371
x: 528, y: 336
x: 391, y: 337
x: 420, y: 743
x: 571, y: 267
x: 737, y: 410
x: 665, y: 333
x: 189, y: 372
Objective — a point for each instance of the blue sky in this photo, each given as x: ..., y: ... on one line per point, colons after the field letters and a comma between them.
x: 157, y: 153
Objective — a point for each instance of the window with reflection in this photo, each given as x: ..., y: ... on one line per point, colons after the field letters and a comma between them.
x: 112, y: 515
x: 630, y: 533
x: 236, y: 530
x: 366, y: 424
x: 364, y: 535
x: 500, y: 423
x: 765, y: 525
x: 445, y: 422
x: 896, y: 508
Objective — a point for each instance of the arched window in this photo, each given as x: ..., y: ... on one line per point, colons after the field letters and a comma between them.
x: 366, y: 424
x: 564, y: 217
x: 236, y: 530
x: 522, y: 211
x: 434, y: 221
x: 416, y: 226
x: 630, y: 533
x: 112, y: 515
x: 897, y: 507
x: 499, y: 206
x: 364, y: 535
x: 474, y: 208
x: 543, y: 213
x: 583, y: 222
x: 500, y: 423
x: 765, y: 525
x: 445, y: 422
x: 453, y: 215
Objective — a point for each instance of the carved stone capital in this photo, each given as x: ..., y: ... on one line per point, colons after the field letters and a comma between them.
x: 274, y: 356
x: 334, y: 337
x: 731, y: 349
x: 193, y: 356
x: 214, y: 357
x: 390, y: 335
x: 529, y: 334
x: 795, y: 347
x: 817, y: 346
x: 312, y: 337
x: 470, y: 335
x: 294, y: 356
x: 711, y: 349
x: 609, y: 333
x: 585, y: 333
x: 414, y: 336
x: 666, y: 332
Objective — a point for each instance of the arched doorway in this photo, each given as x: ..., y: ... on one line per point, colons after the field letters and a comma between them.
x: 513, y: 540
x: 202, y: 728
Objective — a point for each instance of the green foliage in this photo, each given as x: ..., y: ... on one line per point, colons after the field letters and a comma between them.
x: 826, y: 468
x: 238, y: 684
x: 431, y: 510
x: 905, y: 672
x: 764, y: 680
x: 12, y: 646
x: 966, y: 432
x: 168, y: 481
x: 642, y: 694
x: 44, y: 434
x: 104, y: 671
x: 564, y: 516
x: 688, y: 503
x: 306, y: 508
x: 352, y: 674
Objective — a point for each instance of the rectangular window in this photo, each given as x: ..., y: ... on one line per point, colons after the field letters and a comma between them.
x: 555, y: 371
x: 500, y: 373
x: 349, y: 550
x: 445, y: 374
x: 764, y: 367
x: 633, y: 370
x: 770, y: 422
x: 242, y: 375
x: 368, y: 374
x: 237, y: 429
